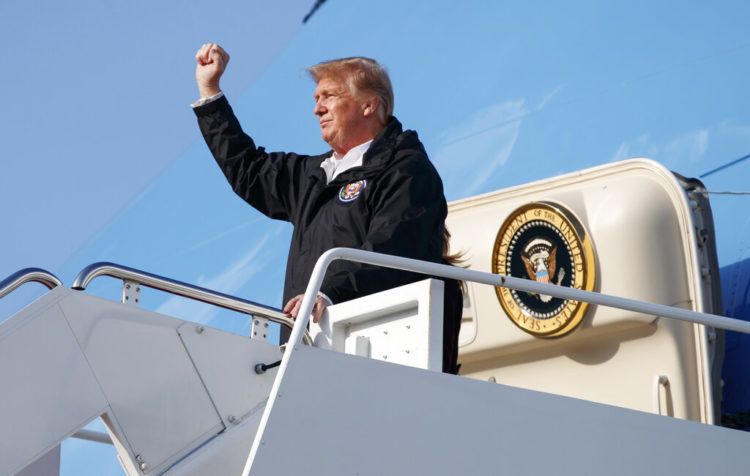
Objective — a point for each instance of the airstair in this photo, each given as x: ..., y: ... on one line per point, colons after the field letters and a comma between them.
x: 179, y: 398
x: 605, y: 361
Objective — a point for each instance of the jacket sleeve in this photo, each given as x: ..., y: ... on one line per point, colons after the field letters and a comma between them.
x: 408, y: 220
x: 267, y: 181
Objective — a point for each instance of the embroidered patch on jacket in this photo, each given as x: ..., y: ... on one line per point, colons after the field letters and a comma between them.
x: 351, y: 191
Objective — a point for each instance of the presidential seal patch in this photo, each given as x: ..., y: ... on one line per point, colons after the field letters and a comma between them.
x: 544, y: 242
x: 351, y: 191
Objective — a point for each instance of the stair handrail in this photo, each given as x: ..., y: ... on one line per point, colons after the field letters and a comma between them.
x: 510, y: 282
x: 463, y: 274
x: 28, y: 275
x: 179, y: 288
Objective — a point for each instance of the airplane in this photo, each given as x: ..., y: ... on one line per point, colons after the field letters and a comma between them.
x: 578, y: 99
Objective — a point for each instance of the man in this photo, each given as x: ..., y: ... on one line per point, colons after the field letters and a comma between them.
x: 376, y: 190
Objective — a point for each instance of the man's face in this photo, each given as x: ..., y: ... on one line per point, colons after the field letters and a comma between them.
x: 341, y: 115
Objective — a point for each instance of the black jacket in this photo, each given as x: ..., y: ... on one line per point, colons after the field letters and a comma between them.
x: 392, y: 204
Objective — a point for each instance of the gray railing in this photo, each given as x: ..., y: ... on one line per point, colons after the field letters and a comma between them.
x: 28, y: 275
x: 519, y: 284
x: 131, y: 276
x: 453, y: 272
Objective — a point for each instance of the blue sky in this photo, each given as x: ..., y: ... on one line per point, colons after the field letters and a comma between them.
x: 102, y: 159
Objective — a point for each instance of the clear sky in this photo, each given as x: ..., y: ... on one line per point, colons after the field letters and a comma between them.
x: 102, y: 159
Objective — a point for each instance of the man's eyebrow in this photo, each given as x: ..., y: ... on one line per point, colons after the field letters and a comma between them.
x: 324, y: 92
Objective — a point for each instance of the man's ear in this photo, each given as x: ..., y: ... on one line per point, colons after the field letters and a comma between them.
x: 371, y: 106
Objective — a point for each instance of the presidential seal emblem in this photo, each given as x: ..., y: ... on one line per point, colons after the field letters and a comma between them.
x: 544, y: 242
x: 351, y: 191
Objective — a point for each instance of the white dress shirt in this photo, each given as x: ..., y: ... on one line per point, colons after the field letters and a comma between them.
x: 202, y: 101
x: 336, y: 164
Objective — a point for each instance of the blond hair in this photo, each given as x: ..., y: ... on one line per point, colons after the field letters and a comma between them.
x: 363, y: 75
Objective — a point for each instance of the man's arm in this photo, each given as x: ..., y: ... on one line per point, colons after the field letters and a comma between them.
x: 267, y: 181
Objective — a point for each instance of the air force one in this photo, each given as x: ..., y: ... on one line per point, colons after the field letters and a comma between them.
x: 607, y: 309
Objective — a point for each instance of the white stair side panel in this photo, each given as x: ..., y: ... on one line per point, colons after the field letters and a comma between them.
x: 226, y: 364
x: 225, y: 454
x: 47, y: 465
x: 48, y: 390
x: 403, y: 325
x: 155, y: 393
x: 337, y: 414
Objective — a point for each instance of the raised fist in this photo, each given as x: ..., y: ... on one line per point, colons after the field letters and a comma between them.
x: 211, y: 62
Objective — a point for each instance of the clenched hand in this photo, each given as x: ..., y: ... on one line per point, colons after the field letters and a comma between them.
x: 211, y: 62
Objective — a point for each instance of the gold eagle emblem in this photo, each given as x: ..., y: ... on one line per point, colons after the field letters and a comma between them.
x: 546, y: 243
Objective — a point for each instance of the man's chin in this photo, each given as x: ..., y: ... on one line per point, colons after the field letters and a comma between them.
x: 327, y: 138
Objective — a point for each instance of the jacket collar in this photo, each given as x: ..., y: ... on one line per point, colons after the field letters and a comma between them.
x: 381, y: 152
x: 383, y: 145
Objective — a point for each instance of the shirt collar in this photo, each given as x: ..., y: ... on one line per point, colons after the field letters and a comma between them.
x: 336, y: 164
x: 356, y: 151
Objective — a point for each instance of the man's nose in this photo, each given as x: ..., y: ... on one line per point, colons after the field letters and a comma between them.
x: 319, y: 109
